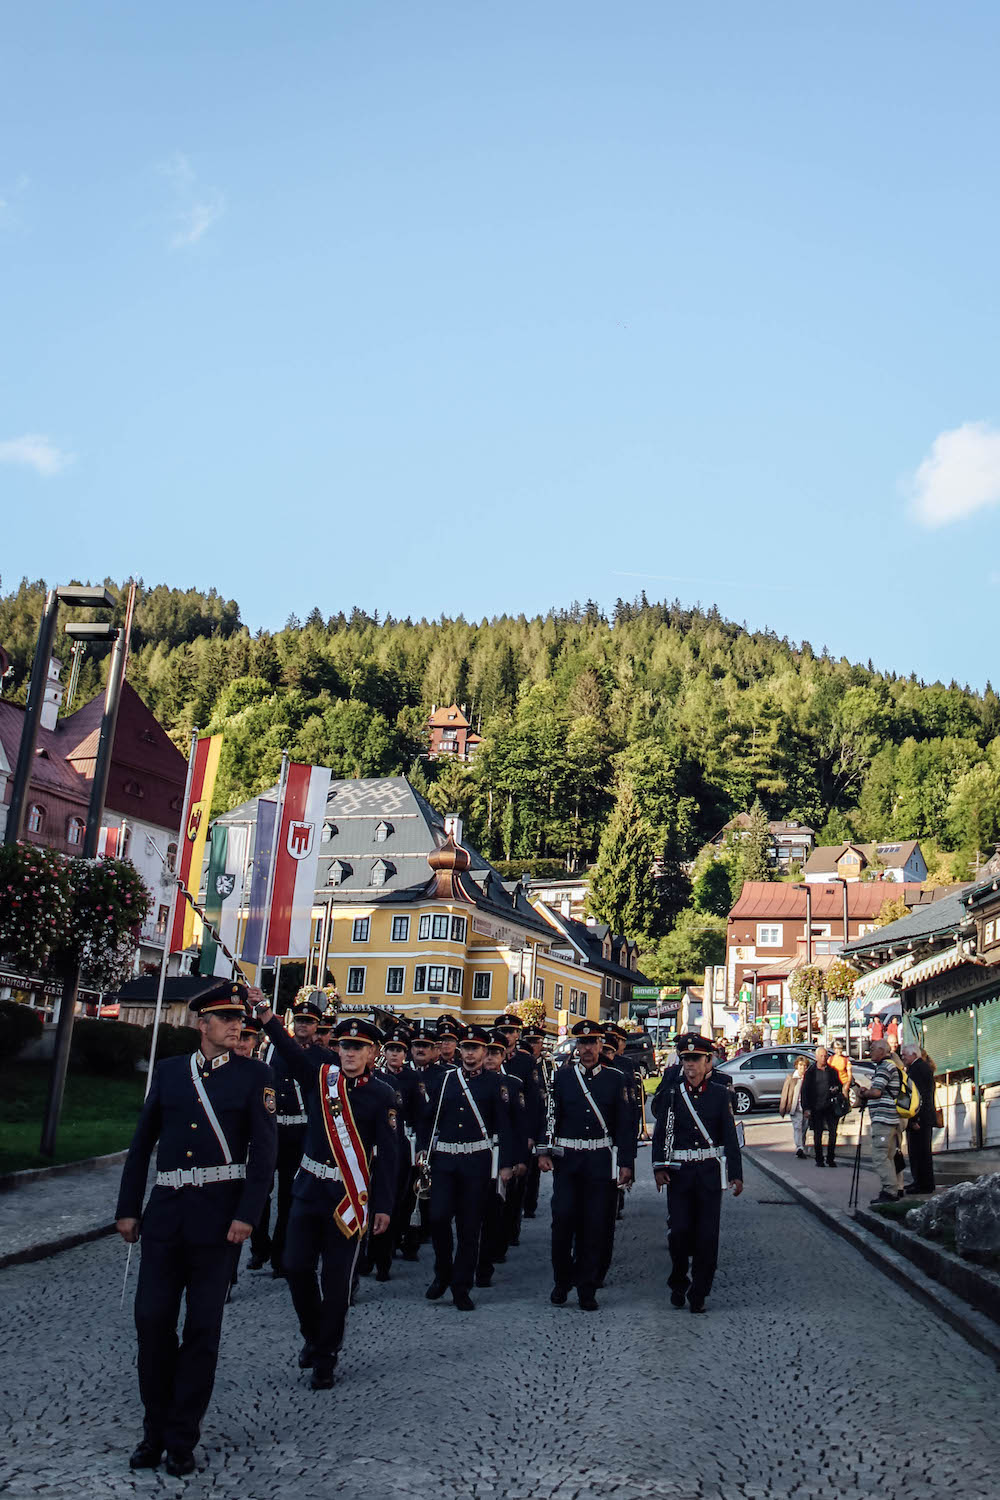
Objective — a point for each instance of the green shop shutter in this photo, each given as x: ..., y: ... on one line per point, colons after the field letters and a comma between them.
x: 988, y: 1020
x: 948, y: 1040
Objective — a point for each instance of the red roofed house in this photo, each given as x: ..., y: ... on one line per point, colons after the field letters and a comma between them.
x: 145, y: 788
x: 451, y: 733
x: 766, y: 931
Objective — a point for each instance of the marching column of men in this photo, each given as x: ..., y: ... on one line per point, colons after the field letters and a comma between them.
x: 364, y: 1148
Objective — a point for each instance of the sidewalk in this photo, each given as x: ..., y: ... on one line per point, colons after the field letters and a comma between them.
x: 769, y: 1139
x: 55, y: 1212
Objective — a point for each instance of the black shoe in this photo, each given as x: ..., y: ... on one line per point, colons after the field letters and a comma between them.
x: 677, y: 1299
x: 146, y: 1456
x: 884, y: 1197
x: 696, y: 1305
x: 382, y: 1275
x: 820, y: 1162
x: 463, y: 1301
x: 256, y: 1262
x: 558, y: 1295
x: 435, y: 1290
x: 484, y: 1281
x: 830, y: 1163
x: 322, y: 1375
x: 179, y: 1464
x: 800, y: 1153
x: 307, y: 1357
x: 911, y: 1187
x: 588, y: 1302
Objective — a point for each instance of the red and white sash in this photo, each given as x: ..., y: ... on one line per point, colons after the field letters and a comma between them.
x: 347, y: 1147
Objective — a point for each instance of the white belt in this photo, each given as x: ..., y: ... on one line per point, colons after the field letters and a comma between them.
x: 599, y: 1143
x: 320, y: 1169
x: 201, y: 1176
x: 292, y: 1119
x: 703, y: 1153
x: 462, y: 1148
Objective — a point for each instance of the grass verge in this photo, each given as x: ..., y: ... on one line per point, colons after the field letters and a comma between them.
x: 98, y: 1115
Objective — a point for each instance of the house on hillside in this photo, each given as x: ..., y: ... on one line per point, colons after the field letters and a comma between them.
x: 568, y: 895
x: 791, y: 841
x: 450, y: 733
x: 901, y: 861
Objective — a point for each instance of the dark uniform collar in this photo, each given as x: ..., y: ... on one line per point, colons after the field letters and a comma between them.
x: 217, y: 1062
x: 591, y: 1072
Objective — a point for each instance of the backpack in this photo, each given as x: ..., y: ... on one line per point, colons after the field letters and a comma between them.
x: 908, y: 1098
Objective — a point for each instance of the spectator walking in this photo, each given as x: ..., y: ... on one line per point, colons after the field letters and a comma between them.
x: 920, y: 1132
x: 841, y: 1065
x: 791, y: 1104
x: 886, y: 1125
x: 823, y: 1100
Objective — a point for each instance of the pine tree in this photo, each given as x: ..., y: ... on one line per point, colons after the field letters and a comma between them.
x: 755, y: 847
x: 623, y: 890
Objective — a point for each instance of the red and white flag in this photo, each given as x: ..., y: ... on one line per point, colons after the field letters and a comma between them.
x: 296, y: 855
x: 107, y: 843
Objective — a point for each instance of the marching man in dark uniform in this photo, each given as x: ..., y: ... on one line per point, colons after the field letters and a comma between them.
x: 410, y: 1096
x: 306, y: 1017
x: 495, y: 1239
x: 593, y: 1154
x: 465, y: 1136
x: 696, y: 1154
x: 351, y: 1115
x: 532, y: 1041
x: 211, y: 1118
x: 448, y: 1030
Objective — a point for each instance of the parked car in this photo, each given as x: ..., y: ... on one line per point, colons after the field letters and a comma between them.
x: 758, y: 1076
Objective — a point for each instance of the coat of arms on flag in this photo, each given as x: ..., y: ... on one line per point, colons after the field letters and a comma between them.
x: 300, y: 839
x: 225, y: 885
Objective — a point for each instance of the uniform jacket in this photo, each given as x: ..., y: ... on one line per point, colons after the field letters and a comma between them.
x: 241, y: 1092
x: 576, y: 1120
x: 524, y: 1065
x: 519, y: 1119
x: 375, y: 1114
x: 456, y: 1121
x: 714, y: 1108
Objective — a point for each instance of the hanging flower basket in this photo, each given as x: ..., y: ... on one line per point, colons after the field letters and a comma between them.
x: 532, y: 1012
x: 330, y: 991
x: 110, y: 904
x: 36, y: 904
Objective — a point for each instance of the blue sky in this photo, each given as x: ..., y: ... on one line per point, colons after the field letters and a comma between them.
x: 453, y: 307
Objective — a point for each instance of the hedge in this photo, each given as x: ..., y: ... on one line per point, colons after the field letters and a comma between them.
x: 107, y: 1046
x: 19, y: 1025
x: 172, y: 1041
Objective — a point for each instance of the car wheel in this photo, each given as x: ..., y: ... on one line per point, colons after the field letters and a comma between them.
x: 854, y: 1096
x: 743, y: 1102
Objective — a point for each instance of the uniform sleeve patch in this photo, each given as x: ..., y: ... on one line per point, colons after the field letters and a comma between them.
x: 392, y: 1119
x: 504, y: 1093
x: 269, y: 1102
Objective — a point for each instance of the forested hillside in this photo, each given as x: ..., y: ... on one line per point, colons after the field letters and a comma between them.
x: 683, y: 717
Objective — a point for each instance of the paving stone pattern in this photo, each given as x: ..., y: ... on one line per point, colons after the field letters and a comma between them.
x: 781, y: 1390
x: 49, y: 1208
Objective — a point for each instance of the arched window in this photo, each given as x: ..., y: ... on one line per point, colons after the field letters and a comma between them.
x: 171, y: 857
x: 74, y: 831
x: 36, y: 817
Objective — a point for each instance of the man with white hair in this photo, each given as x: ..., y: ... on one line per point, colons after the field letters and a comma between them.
x: 919, y: 1132
x: 886, y: 1124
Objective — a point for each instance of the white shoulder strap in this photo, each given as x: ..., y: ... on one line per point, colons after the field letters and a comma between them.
x: 695, y: 1115
x: 206, y: 1105
x: 473, y: 1105
x: 590, y: 1098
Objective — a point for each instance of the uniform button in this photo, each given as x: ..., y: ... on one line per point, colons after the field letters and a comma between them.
x: 189, y: 1154
x: 193, y: 1126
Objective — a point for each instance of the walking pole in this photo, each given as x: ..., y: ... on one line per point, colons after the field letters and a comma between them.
x: 852, y: 1201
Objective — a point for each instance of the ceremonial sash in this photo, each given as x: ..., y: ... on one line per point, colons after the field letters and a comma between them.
x: 213, y: 1119
x: 347, y: 1148
x: 600, y: 1118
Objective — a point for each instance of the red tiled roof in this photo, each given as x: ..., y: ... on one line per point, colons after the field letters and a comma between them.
x: 452, y: 716
x: 780, y: 899
x: 51, y: 768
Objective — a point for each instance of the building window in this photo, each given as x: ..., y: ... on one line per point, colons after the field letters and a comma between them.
x: 36, y: 817
x: 381, y: 871
x: 607, y: 987
x: 559, y: 997
x: 172, y: 858
x: 583, y: 1003
x: 134, y: 789
x: 394, y: 981
x: 74, y: 831
x: 455, y: 977
x: 439, y: 927
x: 435, y: 979
x: 768, y: 936
x: 618, y: 989
x: 458, y: 929
x: 539, y: 989
x: 382, y: 832
x: 424, y: 929
x: 988, y: 932
x: 161, y: 922
x: 360, y: 931
x: 420, y: 979
x: 400, y: 929
x: 356, y: 981
x: 572, y: 1002
x: 482, y: 986
x: 329, y: 832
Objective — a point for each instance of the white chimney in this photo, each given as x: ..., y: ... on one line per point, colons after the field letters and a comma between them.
x: 564, y: 906
x: 591, y: 921
x: 52, y: 700
x: 453, y: 826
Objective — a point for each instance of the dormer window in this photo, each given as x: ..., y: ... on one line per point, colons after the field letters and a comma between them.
x: 338, y: 872
x: 133, y: 789
x: 382, y: 832
x: 148, y: 737
x: 330, y: 832
x: 606, y: 948
x: 381, y: 871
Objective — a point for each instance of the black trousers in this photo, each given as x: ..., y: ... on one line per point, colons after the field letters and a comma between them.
x: 919, y: 1146
x: 582, y: 1192
x: 260, y: 1237
x: 512, y: 1209
x: 383, y: 1246
x: 459, y: 1196
x: 531, y: 1185
x: 615, y: 1196
x: 176, y: 1376
x: 291, y: 1139
x: 824, y: 1120
x: 493, y: 1240
x: 321, y: 1296
x: 694, y: 1203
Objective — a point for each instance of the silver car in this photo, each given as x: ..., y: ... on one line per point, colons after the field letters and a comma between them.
x: 759, y: 1077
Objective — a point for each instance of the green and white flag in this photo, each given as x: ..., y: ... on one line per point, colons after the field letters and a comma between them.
x: 224, y: 895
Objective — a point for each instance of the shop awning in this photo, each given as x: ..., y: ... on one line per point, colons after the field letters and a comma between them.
x: 882, y: 975
x: 878, y: 1000
x: 938, y: 963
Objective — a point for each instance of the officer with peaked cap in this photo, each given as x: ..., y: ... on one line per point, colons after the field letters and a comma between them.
x: 335, y: 1190
x: 496, y: 1237
x: 591, y: 1155
x: 465, y: 1135
x: 522, y: 1063
x: 210, y: 1117
x: 448, y: 1030
x: 410, y: 1096
x: 696, y: 1154
x: 306, y: 1017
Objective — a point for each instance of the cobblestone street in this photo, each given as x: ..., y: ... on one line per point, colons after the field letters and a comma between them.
x: 794, y: 1384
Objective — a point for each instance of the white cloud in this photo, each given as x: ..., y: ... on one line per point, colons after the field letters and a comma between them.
x: 197, y: 208
x: 960, y: 475
x: 34, y: 451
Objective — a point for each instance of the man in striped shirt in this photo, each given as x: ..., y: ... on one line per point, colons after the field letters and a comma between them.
x: 886, y: 1124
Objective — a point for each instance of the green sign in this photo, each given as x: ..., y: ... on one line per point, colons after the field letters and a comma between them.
x: 656, y: 992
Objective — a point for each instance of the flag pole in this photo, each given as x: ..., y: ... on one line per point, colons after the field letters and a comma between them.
x: 269, y: 892
x: 237, y: 945
x: 165, y: 956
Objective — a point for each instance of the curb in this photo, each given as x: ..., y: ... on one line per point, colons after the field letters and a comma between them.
x: 11, y: 1180
x: 980, y: 1330
x: 53, y: 1247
